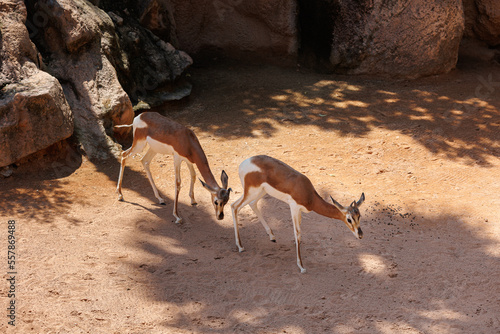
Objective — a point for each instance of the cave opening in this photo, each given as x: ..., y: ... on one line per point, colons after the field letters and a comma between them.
x: 315, y: 25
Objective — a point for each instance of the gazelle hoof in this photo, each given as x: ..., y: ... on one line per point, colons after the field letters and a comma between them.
x: 178, y: 220
x: 302, y: 270
x: 241, y: 249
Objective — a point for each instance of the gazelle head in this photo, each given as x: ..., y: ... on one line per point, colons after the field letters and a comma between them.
x: 351, y: 215
x: 220, y: 196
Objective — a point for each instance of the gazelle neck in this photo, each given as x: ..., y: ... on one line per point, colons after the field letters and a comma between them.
x: 326, y: 209
x: 201, y: 161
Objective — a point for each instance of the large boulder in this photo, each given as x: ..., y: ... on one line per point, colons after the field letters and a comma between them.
x: 146, y: 34
x: 483, y: 20
x: 264, y: 28
x: 34, y: 113
x: 81, y: 50
x: 402, y: 38
x: 156, y: 67
x: 18, y: 55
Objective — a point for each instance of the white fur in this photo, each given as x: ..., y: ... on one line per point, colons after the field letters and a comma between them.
x: 139, y: 123
x: 247, y: 167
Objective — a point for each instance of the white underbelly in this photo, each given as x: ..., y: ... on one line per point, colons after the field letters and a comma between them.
x: 160, y: 147
x: 283, y: 197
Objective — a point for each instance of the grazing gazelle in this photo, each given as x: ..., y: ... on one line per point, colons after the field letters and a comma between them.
x: 166, y: 136
x: 262, y: 175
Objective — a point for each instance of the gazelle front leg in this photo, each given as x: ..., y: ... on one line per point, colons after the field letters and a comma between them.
x: 177, y: 167
x: 146, y: 161
x: 297, y: 219
x: 235, y: 208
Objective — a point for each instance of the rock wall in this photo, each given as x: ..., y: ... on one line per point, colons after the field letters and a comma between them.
x: 80, y: 48
x: 404, y: 38
x: 265, y: 29
x: 84, y: 67
x: 483, y: 21
x: 34, y: 113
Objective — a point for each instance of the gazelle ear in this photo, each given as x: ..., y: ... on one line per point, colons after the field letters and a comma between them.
x: 361, y: 199
x: 206, y: 186
x: 224, y: 179
x: 337, y: 204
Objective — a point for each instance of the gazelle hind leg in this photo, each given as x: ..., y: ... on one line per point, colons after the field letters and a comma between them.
x: 193, y: 180
x: 254, y: 207
x: 177, y: 167
x: 146, y: 161
x: 137, y: 147
x: 297, y: 219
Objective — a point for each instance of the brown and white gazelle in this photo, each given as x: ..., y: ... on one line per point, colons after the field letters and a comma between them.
x: 262, y: 175
x: 166, y: 136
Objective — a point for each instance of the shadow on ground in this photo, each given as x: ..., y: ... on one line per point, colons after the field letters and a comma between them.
x: 456, y: 114
x: 402, y: 277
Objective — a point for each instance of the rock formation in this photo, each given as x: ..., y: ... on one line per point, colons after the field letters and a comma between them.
x: 486, y: 24
x: 405, y: 38
x: 34, y: 113
x: 266, y: 29
x: 154, y: 66
x: 80, y: 48
x: 85, y: 67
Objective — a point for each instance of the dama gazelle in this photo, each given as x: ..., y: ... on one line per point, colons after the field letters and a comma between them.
x: 166, y: 136
x: 262, y: 175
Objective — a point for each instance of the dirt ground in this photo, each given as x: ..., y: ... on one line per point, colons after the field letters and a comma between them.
x: 425, y: 153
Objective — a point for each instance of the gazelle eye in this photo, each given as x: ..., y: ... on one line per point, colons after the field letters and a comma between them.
x: 216, y: 203
x: 349, y: 220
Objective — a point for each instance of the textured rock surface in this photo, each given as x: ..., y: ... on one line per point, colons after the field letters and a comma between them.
x: 81, y: 50
x: 34, y: 113
x: 267, y: 28
x: 488, y: 21
x: 154, y: 64
x: 397, y: 38
x: 18, y: 55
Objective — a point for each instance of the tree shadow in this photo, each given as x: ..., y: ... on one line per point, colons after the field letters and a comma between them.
x: 35, y: 198
x: 456, y: 115
x: 37, y: 189
x: 408, y: 273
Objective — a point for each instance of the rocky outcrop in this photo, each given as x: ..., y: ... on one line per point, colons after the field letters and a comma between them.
x: 267, y: 29
x: 483, y: 21
x: 89, y: 59
x: 80, y: 48
x: 155, y: 66
x: 487, y: 26
x: 402, y: 38
x: 34, y: 113
x: 18, y: 55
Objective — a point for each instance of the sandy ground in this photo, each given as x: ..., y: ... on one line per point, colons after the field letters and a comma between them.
x: 425, y: 153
